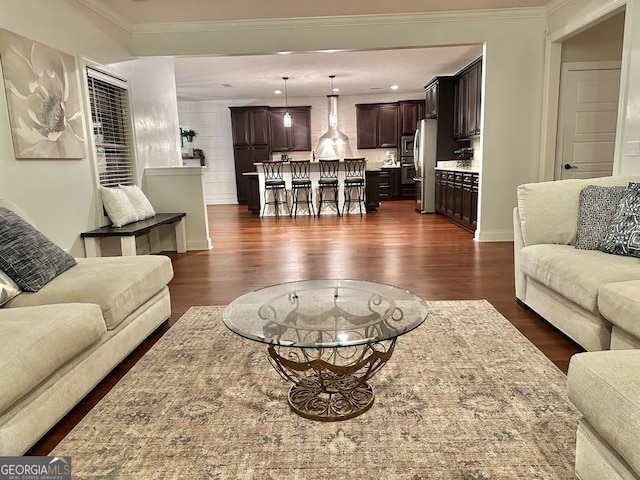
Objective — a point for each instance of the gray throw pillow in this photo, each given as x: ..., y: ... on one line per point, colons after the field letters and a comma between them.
x: 28, y: 257
x: 598, y: 205
x: 623, y: 234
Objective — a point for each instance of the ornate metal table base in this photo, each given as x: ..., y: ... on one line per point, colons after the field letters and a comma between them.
x: 330, y: 384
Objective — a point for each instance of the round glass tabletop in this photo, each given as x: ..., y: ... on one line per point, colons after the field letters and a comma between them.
x: 325, y: 313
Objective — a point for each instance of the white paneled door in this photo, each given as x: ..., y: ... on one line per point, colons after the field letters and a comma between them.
x: 587, y: 122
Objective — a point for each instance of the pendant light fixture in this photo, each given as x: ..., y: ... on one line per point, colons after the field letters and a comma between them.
x: 287, y: 115
x: 333, y: 114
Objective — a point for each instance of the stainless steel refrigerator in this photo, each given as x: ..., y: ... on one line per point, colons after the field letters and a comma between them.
x: 424, y: 157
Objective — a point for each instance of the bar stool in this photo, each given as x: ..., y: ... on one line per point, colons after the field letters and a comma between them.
x: 328, y: 180
x: 354, y: 183
x: 300, y: 181
x: 274, y: 183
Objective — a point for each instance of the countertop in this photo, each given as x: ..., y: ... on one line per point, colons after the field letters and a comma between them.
x: 460, y: 169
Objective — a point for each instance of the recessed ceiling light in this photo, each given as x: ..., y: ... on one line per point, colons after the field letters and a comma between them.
x: 284, y: 52
x: 335, y: 89
x: 394, y: 87
x: 330, y: 50
x: 278, y: 92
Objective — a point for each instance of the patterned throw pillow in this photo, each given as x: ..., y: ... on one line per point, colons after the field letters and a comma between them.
x: 597, y: 207
x: 623, y: 234
x: 139, y: 200
x: 27, y: 256
x: 118, y: 207
x: 8, y: 289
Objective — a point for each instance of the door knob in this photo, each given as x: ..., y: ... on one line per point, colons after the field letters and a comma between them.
x: 568, y: 166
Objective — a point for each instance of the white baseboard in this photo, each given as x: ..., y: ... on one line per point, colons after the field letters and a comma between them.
x: 494, y: 236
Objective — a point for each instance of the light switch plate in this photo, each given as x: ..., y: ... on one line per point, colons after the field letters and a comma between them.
x: 632, y: 148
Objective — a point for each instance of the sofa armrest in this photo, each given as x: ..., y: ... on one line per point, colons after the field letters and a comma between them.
x: 518, y: 244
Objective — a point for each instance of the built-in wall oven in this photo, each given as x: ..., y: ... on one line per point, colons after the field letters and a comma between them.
x: 407, y: 170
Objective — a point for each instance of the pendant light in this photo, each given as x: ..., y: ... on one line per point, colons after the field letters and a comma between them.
x: 333, y: 117
x: 287, y: 115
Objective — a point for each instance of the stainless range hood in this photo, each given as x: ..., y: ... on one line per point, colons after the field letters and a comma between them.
x: 333, y: 143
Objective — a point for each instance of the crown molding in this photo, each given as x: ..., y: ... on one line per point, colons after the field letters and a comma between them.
x: 108, y: 13
x: 554, y: 5
x: 339, y: 21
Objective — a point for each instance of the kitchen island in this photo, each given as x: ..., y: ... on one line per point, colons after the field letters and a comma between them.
x: 371, y: 188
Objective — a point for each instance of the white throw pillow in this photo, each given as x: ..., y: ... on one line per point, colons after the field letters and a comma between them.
x: 118, y: 206
x: 8, y: 288
x: 139, y: 200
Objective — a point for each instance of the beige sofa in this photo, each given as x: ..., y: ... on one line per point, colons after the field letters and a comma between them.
x: 591, y: 296
x: 594, y: 298
x: 57, y: 344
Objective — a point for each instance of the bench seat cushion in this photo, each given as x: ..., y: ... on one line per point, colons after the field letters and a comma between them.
x: 620, y: 304
x: 119, y: 285
x: 37, y: 341
x: 605, y: 387
x: 577, y: 274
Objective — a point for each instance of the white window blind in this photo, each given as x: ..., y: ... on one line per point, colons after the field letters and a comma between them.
x: 111, y: 119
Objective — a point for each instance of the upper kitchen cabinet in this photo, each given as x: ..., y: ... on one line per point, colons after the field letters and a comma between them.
x: 290, y: 139
x: 468, y: 100
x: 410, y: 111
x: 250, y: 126
x: 440, y: 96
x: 377, y: 125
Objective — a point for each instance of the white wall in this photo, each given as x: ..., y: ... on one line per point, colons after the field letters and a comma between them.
x: 212, y: 122
x: 154, y: 105
x: 58, y: 195
x: 602, y: 42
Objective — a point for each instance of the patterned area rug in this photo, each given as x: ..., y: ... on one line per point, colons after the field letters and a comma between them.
x: 465, y: 396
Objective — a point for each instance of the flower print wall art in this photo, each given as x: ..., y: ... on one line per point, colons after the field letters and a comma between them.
x: 43, y: 99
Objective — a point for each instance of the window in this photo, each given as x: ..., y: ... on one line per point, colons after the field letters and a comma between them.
x: 111, y: 121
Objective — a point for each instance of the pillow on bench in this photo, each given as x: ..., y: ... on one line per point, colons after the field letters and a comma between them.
x: 139, y: 200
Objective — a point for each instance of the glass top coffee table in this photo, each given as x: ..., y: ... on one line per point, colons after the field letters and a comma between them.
x: 328, y: 337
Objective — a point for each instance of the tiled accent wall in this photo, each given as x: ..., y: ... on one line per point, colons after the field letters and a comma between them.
x: 212, y: 122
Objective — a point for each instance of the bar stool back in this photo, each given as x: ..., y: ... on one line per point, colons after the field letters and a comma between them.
x: 328, y: 181
x: 300, y: 181
x: 274, y: 183
x: 354, y: 190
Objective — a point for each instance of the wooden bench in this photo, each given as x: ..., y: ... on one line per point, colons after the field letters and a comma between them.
x: 128, y: 234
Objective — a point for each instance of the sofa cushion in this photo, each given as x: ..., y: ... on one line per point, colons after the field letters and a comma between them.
x: 549, y: 210
x: 605, y: 386
x: 8, y: 288
x: 119, y: 285
x: 576, y: 274
x: 37, y: 341
x: 620, y: 304
x: 623, y: 234
x: 26, y: 255
x: 598, y: 205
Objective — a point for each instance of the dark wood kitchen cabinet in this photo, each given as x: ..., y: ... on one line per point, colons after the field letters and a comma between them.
x: 250, y: 126
x: 377, y: 125
x: 468, y: 100
x: 457, y: 197
x: 389, y: 183
x: 439, y: 104
x: 372, y: 194
x: 250, y: 131
x: 296, y: 138
x: 409, y: 113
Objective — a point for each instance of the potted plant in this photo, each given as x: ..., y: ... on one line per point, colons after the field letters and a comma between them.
x: 189, y: 134
x: 197, y: 152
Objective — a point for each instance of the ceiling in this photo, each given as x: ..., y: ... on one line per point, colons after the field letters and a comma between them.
x: 160, y: 11
x: 357, y: 73
x: 257, y: 76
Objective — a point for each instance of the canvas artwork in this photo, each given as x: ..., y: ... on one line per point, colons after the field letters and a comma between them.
x: 43, y: 99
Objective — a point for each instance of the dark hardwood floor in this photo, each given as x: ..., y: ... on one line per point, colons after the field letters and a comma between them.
x: 423, y: 253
